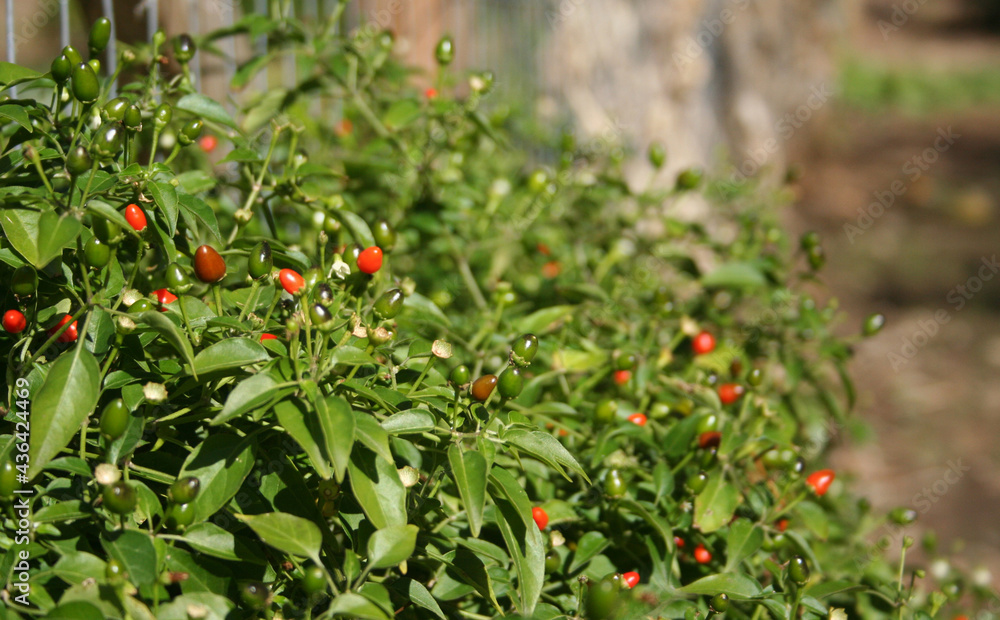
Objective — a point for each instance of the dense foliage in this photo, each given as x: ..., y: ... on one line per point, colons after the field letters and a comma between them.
x: 381, y: 366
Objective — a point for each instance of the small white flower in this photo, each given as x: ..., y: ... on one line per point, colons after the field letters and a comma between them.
x: 341, y: 269
x: 106, y: 474
x: 154, y: 392
x: 940, y: 568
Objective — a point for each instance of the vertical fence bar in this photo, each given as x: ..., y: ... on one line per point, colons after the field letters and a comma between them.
x: 107, y: 6
x: 228, y: 19
x: 194, y: 25
x: 11, y: 56
x: 64, y: 22
x: 11, y: 53
x: 290, y: 73
x: 263, y: 79
x: 152, y: 18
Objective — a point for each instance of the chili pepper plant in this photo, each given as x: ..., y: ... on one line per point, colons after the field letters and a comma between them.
x: 292, y: 362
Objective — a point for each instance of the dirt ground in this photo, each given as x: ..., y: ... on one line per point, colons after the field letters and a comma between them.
x: 930, y: 382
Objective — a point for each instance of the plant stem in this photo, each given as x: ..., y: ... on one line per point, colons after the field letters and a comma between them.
x: 423, y: 373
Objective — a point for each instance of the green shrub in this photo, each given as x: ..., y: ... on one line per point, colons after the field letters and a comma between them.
x: 432, y: 380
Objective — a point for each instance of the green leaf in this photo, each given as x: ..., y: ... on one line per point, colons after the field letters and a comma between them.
x: 391, y: 545
x: 408, y: 423
x: 401, y: 113
x: 467, y: 567
x: 165, y: 197
x: 196, y: 211
x: 679, y: 437
x: 194, y: 182
x: 589, y: 545
x: 544, y: 320
x: 830, y: 588
x: 11, y: 74
x: 650, y: 516
x: 814, y: 518
x: 370, y: 433
x: 242, y: 155
x: 744, y: 539
x: 524, y: 540
x: 470, y: 472
x: 170, y: 332
x: 206, y: 108
x: 17, y: 114
x: 229, y: 357
x: 210, y: 539
x: 249, y: 394
x: 351, y: 356
x: 303, y: 426
x: 64, y: 511
x: 378, y: 489
x: 214, y: 607
x: 221, y: 462
x: 339, y: 425
x: 735, y: 275
x: 78, y: 566
x: 287, y: 533
x: 413, y: 590
x: 76, y: 610
x: 715, y: 505
x: 99, y: 208
x: 421, y: 308
x: 736, y: 585
x: 68, y: 395
x: 355, y: 225
x: 55, y: 232
x: 545, y: 448
x: 356, y: 606
x: 136, y: 553
x: 39, y: 237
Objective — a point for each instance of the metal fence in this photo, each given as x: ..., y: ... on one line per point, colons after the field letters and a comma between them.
x: 502, y: 35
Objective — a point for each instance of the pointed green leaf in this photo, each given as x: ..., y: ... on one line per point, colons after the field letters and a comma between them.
x: 136, y: 553
x: 301, y: 423
x: 102, y: 209
x: 68, y: 395
x: 165, y: 197
x: 229, y: 357
x: 469, y: 471
x: 744, y: 538
x: 356, y: 225
x: 339, y: 426
x: 735, y: 275
x: 736, y: 585
x: 409, y: 423
x: 350, y: 605
x: 545, y: 448
x: 287, y: 533
x: 541, y: 321
x: 715, y: 505
x: 370, y: 433
x: 221, y: 463
x: 377, y: 487
x: 524, y: 540
x: 170, y: 332
x: 206, y: 108
x: 413, y: 590
x: 210, y: 539
x: 468, y: 568
x: 391, y: 545
x: 589, y: 545
x: 249, y: 394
